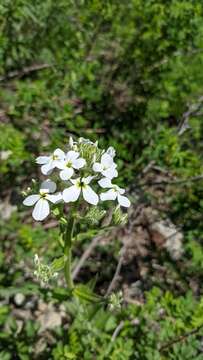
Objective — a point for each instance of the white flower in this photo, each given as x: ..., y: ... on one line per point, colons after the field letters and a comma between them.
x: 111, y: 151
x: 41, y: 201
x: 114, y: 193
x: 106, y: 167
x: 72, y: 193
x: 50, y: 162
x: 72, y: 161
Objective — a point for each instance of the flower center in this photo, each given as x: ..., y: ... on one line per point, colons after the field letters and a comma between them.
x: 81, y: 184
x: 69, y: 164
x: 54, y: 157
x: 43, y: 194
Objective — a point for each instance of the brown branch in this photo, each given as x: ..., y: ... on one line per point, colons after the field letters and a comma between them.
x: 85, y: 256
x: 24, y: 71
x: 116, y: 274
x: 180, y: 338
x: 117, y: 330
x: 193, y: 110
x: 50, y: 225
x: 173, y: 182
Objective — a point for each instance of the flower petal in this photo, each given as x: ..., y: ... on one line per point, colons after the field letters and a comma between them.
x: 72, y: 155
x: 108, y: 195
x: 106, y: 160
x: 75, y: 181
x: 79, y: 163
x: 110, y: 172
x: 111, y: 151
x: 71, y: 194
x: 54, y: 198
x: 123, y: 201
x: 31, y: 200
x: 61, y: 164
x: 47, y: 168
x: 41, y: 210
x: 42, y: 160
x: 105, y: 183
x: 97, y: 167
x: 48, y: 186
x: 59, y: 153
x: 121, y: 191
x: 87, y: 179
x: 66, y: 173
x: 89, y: 195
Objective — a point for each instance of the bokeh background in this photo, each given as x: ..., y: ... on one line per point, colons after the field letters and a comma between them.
x: 129, y: 74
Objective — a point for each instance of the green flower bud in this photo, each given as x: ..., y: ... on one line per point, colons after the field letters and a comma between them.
x: 115, y: 301
x: 118, y: 217
x: 94, y: 215
x: 89, y: 151
x: 56, y: 212
x: 43, y: 272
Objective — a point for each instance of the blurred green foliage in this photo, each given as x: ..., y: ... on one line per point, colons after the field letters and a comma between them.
x: 123, y: 72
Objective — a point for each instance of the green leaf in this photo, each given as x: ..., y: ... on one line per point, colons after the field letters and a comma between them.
x: 83, y: 292
x: 58, y: 264
x: 61, y: 294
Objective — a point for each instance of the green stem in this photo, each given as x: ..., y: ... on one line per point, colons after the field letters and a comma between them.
x: 67, y: 252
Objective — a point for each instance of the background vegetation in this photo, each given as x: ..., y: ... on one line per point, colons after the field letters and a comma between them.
x: 128, y: 73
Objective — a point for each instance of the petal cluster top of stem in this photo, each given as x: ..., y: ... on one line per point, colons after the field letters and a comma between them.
x: 84, y: 172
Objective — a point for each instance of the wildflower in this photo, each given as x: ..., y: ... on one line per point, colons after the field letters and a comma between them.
x: 41, y: 201
x: 50, y: 162
x: 72, y: 161
x: 114, y: 192
x: 106, y: 167
x: 72, y: 193
x: 111, y: 151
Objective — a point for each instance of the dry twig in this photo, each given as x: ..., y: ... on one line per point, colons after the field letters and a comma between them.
x: 193, y: 110
x: 180, y: 338
x: 116, y: 274
x: 172, y: 182
x: 25, y: 71
x: 85, y: 256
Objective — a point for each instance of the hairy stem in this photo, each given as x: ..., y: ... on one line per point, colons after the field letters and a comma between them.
x: 67, y: 252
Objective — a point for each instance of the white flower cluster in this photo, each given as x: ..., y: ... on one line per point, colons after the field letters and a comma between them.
x: 82, y: 164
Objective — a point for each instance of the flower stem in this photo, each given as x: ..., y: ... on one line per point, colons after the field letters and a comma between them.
x: 67, y: 252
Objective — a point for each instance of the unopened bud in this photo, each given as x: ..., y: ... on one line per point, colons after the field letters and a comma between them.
x: 94, y: 215
x: 36, y: 260
x: 43, y: 272
x: 115, y: 301
x: 118, y: 217
x: 71, y: 142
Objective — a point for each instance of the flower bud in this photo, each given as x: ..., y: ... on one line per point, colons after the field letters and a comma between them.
x: 94, y: 215
x: 71, y: 143
x: 118, y: 217
x: 43, y: 272
x: 115, y: 301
